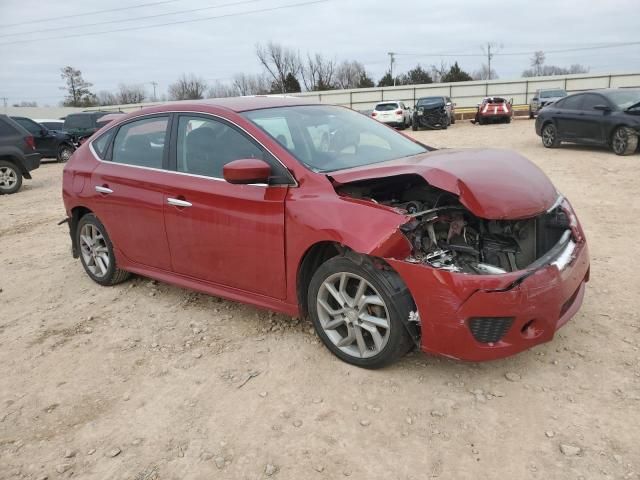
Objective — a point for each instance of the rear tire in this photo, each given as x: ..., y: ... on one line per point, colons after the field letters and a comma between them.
x: 357, y: 311
x: 96, y: 252
x: 10, y: 178
x: 453, y: 119
x: 64, y: 153
x: 414, y: 127
x: 508, y: 120
x: 624, y: 141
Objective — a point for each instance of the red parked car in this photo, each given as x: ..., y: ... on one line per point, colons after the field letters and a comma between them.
x: 494, y: 110
x: 317, y: 210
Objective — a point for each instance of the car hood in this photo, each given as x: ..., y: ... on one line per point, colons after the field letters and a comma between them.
x: 493, y: 184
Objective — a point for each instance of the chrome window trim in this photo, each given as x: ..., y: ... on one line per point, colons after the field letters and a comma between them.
x: 295, y: 181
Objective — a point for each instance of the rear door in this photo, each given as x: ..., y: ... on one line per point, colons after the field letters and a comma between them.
x: 45, y: 142
x: 591, y: 128
x: 568, y: 117
x: 230, y: 235
x: 128, y: 190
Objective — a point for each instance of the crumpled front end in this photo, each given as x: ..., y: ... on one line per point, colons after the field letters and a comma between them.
x: 431, y: 117
x: 483, y: 288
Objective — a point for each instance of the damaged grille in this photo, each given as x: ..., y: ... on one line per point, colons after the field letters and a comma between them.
x: 489, y: 329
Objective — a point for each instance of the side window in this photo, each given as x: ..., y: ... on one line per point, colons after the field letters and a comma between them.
x: 141, y: 142
x: 591, y: 101
x: 572, y: 103
x: 31, y: 126
x: 206, y: 145
x: 101, y: 144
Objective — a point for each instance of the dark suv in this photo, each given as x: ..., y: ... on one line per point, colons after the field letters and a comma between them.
x: 18, y: 155
x: 49, y: 143
x: 83, y: 124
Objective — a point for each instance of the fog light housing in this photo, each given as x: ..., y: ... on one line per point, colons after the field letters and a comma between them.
x: 489, y: 329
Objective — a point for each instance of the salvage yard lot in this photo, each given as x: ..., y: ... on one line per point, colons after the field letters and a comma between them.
x: 145, y: 380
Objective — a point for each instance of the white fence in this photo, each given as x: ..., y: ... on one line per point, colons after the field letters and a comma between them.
x: 464, y: 94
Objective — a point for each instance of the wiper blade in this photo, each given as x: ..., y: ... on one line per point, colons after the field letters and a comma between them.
x: 635, y: 105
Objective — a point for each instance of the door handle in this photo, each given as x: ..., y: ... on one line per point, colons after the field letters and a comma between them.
x: 176, y: 202
x: 104, y: 190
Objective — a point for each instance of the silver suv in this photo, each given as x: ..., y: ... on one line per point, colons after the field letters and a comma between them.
x: 545, y: 96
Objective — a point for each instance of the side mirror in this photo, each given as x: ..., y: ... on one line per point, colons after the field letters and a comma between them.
x: 246, y: 171
x: 511, y: 101
x: 534, y: 99
x: 602, y: 108
x: 44, y: 132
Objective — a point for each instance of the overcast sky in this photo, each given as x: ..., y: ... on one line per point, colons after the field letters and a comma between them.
x: 340, y: 29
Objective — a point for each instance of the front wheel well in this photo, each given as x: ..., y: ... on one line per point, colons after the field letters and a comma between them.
x: 315, y: 256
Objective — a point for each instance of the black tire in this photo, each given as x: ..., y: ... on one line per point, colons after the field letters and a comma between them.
x: 414, y: 126
x: 113, y: 274
x: 10, y: 178
x: 530, y: 114
x: 389, y: 287
x: 453, y: 119
x: 64, y: 153
x: 550, y: 136
x: 624, y: 141
x: 508, y: 120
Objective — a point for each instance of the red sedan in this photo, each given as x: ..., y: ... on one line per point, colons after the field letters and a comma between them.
x: 306, y: 209
x: 493, y: 110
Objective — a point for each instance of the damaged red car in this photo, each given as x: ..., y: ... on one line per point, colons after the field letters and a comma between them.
x: 306, y: 209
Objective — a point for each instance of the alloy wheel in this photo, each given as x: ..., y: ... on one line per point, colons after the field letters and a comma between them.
x: 8, y: 178
x: 620, y: 140
x: 95, y: 252
x: 549, y: 136
x: 353, y: 315
x: 65, y: 154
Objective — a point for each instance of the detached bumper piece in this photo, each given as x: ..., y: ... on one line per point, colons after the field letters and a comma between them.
x: 489, y: 329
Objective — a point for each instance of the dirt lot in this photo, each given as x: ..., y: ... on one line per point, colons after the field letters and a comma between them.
x: 144, y: 380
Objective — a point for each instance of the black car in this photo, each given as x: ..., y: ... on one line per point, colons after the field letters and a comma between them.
x: 18, y: 155
x: 82, y: 124
x: 433, y: 112
x: 608, y: 117
x: 49, y: 143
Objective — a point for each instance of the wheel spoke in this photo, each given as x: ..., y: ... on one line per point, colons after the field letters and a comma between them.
x: 328, y: 309
x: 362, y: 346
x: 375, y: 321
x: 371, y: 300
x: 333, y: 324
x: 362, y: 287
x: 375, y: 335
x: 87, y: 241
x: 349, y: 339
x: 101, y: 266
x: 335, y: 294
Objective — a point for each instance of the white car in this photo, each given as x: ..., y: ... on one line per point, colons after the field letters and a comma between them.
x: 395, y: 114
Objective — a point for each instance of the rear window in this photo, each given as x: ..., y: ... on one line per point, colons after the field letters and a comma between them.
x: 6, y: 128
x: 553, y: 93
x: 53, y: 125
x: 78, y: 121
x: 386, y: 107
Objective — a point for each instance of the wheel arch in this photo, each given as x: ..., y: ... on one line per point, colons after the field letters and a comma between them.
x: 77, y: 213
x: 315, y: 256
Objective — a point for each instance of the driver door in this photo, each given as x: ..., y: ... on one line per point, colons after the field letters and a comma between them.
x: 230, y: 235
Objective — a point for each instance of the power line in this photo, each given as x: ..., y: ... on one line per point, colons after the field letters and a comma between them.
x: 248, y: 12
x: 75, y: 15
x: 192, y: 10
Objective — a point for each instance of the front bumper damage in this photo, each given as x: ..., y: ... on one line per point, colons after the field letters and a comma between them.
x: 530, y: 306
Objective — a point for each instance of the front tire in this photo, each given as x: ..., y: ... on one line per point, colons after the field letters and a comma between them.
x: 64, y: 153
x: 550, y: 136
x: 10, y: 178
x: 357, y: 312
x: 624, y: 141
x: 96, y: 252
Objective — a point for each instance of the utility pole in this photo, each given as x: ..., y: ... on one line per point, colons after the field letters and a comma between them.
x: 489, y: 55
x: 392, y: 60
x: 4, y: 101
x: 155, y: 84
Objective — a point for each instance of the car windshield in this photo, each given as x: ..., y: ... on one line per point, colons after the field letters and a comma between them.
x: 553, y: 94
x: 624, y: 99
x: 430, y: 102
x: 327, y: 138
x: 385, y: 107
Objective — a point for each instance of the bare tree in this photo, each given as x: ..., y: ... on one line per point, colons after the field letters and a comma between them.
x: 537, y: 61
x: 279, y: 62
x: 483, y: 73
x: 187, y: 87
x: 130, y: 94
x: 318, y: 73
x: 349, y: 74
x: 106, y: 98
x: 221, y: 90
x: 438, y: 71
x: 250, y: 84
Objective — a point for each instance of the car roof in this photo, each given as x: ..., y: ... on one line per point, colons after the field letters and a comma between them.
x: 606, y: 91
x: 48, y: 120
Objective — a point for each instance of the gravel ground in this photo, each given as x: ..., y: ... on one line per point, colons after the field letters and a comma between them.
x: 147, y: 381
